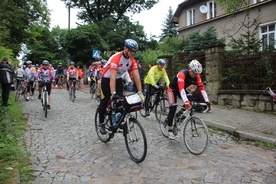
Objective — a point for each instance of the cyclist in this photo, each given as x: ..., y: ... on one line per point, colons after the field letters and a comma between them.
x: 98, y: 76
x: 59, y: 72
x: 45, y: 73
x: 72, y: 74
x: 153, y: 77
x: 111, y: 73
x: 182, y: 85
x: 19, y: 75
x: 30, y: 78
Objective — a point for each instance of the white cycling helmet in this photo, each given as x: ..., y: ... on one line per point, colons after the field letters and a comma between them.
x: 195, y: 66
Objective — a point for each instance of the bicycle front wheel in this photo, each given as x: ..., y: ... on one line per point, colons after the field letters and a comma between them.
x: 45, y: 96
x: 73, y: 93
x: 103, y: 137
x: 143, y: 110
x: 196, y: 137
x: 162, y: 123
x: 135, y: 140
x: 158, y: 108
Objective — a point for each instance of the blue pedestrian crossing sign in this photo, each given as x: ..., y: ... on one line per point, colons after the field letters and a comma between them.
x: 96, y: 54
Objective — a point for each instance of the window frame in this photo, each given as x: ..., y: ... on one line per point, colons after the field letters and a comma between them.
x: 267, y: 33
x: 190, y: 20
x: 211, y: 9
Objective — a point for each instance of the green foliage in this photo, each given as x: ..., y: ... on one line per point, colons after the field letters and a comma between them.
x: 15, y: 19
x: 231, y: 6
x: 169, y: 29
x: 97, y: 11
x: 81, y: 41
x: 4, y: 52
x: 14, y: 159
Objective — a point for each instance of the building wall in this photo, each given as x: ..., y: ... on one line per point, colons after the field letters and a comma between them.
x: 226, y: 25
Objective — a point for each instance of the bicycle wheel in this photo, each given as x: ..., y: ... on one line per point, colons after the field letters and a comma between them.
x: 162, y: 123
x: 135, y: 140
x: 25, y: 93
x: 158, y: 108
x: 98, y: 100
x: 73, y: 93
x: 143, y: 110
x: 18, y: 92
x: 103, y: 137
x: 93, y: 90
x: 45, y: 96
x: 196, y: 137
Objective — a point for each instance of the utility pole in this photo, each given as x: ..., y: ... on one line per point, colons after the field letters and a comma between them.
x: 68, y: 4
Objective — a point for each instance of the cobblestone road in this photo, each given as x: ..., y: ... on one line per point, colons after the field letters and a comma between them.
x: 65, y: 149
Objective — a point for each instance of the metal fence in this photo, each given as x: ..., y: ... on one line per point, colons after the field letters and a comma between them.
x: 249, y: 73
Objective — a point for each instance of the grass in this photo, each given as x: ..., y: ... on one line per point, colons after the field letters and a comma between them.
x: 14, y: 160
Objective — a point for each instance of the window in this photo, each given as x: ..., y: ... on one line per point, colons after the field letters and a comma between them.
x: 268, y: 36
x: 211, y: 9
x: 190, y: 17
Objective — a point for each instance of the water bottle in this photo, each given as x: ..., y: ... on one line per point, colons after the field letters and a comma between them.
x: 113, y: 118
x: 118, y: 116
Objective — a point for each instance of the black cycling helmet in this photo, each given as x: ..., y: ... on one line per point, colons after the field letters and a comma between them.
x: 45, y: 62
x: 131, y: 44
x: 72, y: 63
x: 28, y: 62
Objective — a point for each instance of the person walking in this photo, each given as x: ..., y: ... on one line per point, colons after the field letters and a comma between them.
x: 6, y: 71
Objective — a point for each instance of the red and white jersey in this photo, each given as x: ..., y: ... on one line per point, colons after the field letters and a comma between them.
x: 72, y: 72
x: 119, y: 63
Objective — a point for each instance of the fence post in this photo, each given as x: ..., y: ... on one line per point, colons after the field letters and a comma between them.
x: 213, y: 58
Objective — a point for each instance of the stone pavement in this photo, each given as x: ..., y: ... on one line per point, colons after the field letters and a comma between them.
x: 65, y: 149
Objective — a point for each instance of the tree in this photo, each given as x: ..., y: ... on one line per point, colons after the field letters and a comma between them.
x: 232, y: 6
x: 99, y: 10
x: 16, y: 17
x: 81, y: 41
x: 169, y: 28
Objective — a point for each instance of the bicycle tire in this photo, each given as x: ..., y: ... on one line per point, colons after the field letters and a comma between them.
x: 45, y: 96
x: 73, y: 93
x: 143, y: 110
x: 25, y: 93
x: 162, y: 124
x: 196, y: 136
x: 158, y: 108
x: 93, y: 90
x: 98, y: 100
x: 18, y: 92
x: 136, y: 152
x: 103, y: 137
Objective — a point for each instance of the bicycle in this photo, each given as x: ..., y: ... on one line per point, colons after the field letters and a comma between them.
x: 157, y: 102
x: 60, y: 81
x: 21, y: 90
x: 195, y: 131
x: 135, y: 137
x: 44, y: 99
x: 72, y: 90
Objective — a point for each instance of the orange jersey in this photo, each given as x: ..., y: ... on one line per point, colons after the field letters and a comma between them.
x: 72, y: 72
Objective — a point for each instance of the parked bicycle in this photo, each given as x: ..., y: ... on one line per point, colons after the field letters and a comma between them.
x: 135, y: 137
x: 44, y: 99
x: 156, y: 102
x: 21, y: 89
x: 72, y: 90
x: 195, y: 132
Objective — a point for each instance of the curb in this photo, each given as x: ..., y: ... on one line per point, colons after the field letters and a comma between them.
x: 236, y: 133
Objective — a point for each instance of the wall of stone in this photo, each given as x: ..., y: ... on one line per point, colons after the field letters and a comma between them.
x: 252, y: 101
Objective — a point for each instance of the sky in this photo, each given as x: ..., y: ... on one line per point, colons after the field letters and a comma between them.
x: 152, y: 19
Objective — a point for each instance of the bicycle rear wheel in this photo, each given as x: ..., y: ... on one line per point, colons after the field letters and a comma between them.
x: 196, y: 137
x: 163, y: 124
x: 159, y: 107
x: 103, y: 137
x: 135, y: 140
x: 18, y: 92
x: 45, y: 96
